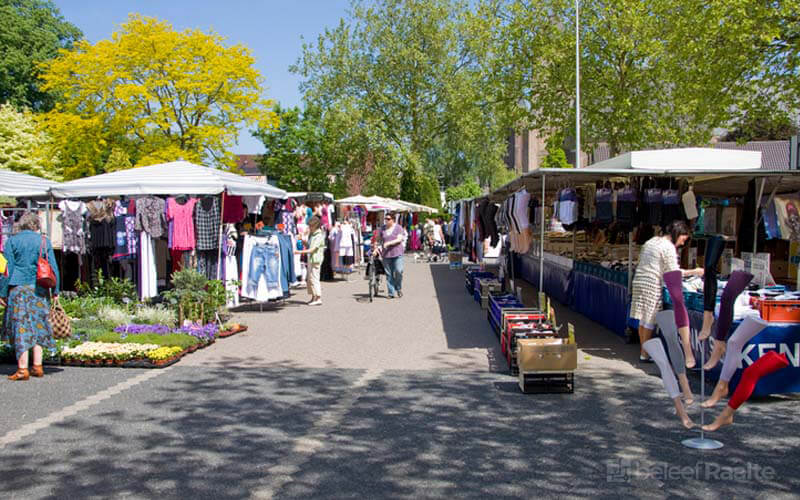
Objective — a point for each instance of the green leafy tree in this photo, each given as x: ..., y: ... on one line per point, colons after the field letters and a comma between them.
x: 21, y: 144
x: 154, y: 92
x: 653, y: 72
x: 406, y: 69
x: 31, y: 32
x: 556, y: 157
x: 465, y: 191
x: 769, y: 124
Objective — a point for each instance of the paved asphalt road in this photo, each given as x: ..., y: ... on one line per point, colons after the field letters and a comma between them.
x: 403, y: 399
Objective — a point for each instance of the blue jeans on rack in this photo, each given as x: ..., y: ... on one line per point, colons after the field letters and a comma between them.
x: 394, y: 274
x: 264, y: 261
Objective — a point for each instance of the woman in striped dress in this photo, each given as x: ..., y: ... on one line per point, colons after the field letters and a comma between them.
x: 658, y: 256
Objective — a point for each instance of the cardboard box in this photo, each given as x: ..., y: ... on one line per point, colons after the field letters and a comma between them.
x: 728, y: 223
x: 794, y: 258
x: 725, y: 261
x: 780, y: 269
x: 536, y: 355
x: 710, y: 220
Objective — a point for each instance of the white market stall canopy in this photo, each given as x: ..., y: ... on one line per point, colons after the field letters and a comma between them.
x: 380, y: 203
x: 310, y: 196
x: 715, y: 180
x: 18, y: 185
x: 699, y: 159
x: 177, y: 177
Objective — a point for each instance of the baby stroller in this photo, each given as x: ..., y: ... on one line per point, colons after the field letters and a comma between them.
x: 374, y: 271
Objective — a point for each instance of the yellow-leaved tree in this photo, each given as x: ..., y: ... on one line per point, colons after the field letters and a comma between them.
x: 150, y: 95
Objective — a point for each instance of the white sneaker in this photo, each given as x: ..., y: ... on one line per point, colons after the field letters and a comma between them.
x: 315, y: 303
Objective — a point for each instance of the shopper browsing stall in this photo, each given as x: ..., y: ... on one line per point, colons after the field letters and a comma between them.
x: 26, y: 324
x: 316, y: 254
x: 394, y: 237
x: 658, y: 256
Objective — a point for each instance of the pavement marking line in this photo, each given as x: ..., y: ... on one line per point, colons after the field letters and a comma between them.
x: 305, y: 446
x: 89, y: 401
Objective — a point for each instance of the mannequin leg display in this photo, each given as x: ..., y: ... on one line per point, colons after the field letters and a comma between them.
x: 749, y: 328
x: 765, y: 365
x: 645, y: 334
x: 666, y: 322
x: 736, y: 285
x: 674, y: 282
x: 714, y: 249
x: 655, y: 349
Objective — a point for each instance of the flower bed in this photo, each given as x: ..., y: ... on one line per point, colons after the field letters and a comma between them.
x: 115, y: 354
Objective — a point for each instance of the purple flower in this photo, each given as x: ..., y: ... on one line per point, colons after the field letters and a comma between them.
x: 135, y: 329
x: 206, y: 333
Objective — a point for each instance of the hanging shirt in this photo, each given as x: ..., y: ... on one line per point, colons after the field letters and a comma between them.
x: 568, y: 206
x: 72, y: 225
x: 253, y: 203
x: 234, y: 209
x: 183, y: 226
x: 206, y: 223
x: 150, y: 216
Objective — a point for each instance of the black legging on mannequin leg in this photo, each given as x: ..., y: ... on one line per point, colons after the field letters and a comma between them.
x: 714, y: 249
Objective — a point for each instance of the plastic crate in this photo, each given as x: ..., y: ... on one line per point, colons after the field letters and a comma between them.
x: 780, y: 311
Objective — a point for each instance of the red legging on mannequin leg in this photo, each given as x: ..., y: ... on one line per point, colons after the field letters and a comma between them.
x: 674, y: 282
x: 766, y: 364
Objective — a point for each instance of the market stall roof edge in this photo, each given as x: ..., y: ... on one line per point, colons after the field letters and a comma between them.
x: 19, y: 185
x: 166, y: 179
x: 385, y: 204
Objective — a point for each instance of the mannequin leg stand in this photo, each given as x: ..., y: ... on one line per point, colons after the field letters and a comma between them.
x: 655, y: 349
x: 666, y: 322
x: 702, y: 443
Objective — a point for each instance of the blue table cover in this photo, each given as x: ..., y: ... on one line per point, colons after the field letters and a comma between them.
x: 781, y: 337
x: 601, y: 301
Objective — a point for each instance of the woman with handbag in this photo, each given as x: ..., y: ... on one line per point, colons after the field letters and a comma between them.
x: 32, y: 273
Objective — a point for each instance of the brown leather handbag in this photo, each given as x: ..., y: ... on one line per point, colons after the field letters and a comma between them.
x: 45, y: 277
x: 59, y: 321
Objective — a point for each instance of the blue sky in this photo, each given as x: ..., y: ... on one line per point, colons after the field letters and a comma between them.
x: 273, y: 29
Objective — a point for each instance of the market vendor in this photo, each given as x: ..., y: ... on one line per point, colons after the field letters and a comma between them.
x: 658, y: 256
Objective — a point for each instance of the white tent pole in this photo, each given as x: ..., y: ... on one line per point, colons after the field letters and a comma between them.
x: 578, y: 162
x: 541, y: 241
x: 219, y: 240
x: 757, y: 202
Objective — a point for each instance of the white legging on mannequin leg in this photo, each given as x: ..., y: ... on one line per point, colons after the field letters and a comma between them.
x: 666, y: 323
x: 747, y: 329
x: 655, y: 349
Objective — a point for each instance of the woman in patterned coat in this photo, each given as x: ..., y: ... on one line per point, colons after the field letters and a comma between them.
x: 26, y: 324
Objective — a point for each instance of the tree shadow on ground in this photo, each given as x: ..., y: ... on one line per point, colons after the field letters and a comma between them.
x: 225, y: 433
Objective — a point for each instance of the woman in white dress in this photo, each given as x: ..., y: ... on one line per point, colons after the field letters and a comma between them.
x: 658, y: 256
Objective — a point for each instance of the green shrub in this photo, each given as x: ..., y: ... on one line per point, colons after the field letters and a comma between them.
x: 105, y: 336
x: 120, y: 290
x: 82, y: 307
x: 157, y: 315
x: 113, y: 316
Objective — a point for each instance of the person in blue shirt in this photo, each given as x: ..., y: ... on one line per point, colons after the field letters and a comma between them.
x: 26, y: 324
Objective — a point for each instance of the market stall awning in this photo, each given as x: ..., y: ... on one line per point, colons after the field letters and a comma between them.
x: 693, y: 159
x: 177, y: 177
x: 416, y: 207
x: 374, y: 203
x: 18, y: 185
x: 310, y: 196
